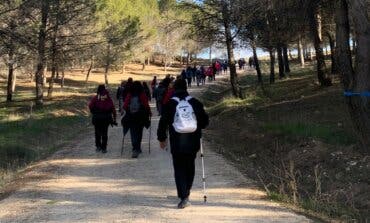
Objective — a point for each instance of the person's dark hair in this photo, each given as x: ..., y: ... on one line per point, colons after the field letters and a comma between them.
x: 101, y: 89
x: 180, y: 85
x: 130, y: 81
x: 137, y: 88
x: 145, y: 85
x: 166, y: 82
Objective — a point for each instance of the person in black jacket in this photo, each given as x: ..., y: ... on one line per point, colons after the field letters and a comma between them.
x: 184, y: 146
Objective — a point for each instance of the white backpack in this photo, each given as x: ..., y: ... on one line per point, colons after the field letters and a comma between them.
x: 185, y: 120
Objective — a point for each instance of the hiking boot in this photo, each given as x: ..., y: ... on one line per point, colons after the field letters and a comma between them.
x: 135, y: 154
x: 104, y: 151
x: 183, y: 203
x: 98, y: 149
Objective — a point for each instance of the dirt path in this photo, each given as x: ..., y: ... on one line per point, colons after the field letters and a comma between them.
x: 79, y: 185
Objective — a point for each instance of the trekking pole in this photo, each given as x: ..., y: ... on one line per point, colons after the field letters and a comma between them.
x: 150, y: 132
x: 203, y: 171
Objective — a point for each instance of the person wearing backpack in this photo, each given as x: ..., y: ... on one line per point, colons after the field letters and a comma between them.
x: 185, y: 118
x: 160, y: 93
x: 103, y: 114
x: 137, y: 116
x: 189, y: 75
x: 119, y: 94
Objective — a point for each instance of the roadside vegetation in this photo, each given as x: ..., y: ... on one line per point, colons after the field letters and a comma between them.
x: 296, y: 139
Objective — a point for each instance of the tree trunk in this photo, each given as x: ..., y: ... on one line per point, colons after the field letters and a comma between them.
x: 272, y: 66
x: 63, y: 77
x: 89, y: 70
x: 316, y: 27
x: 281, y: 62
x: 14, y: 83
x: 107, y: 65
x: 355, y: 80
x: 10, y: 91
x: 41, y: 60
x: 334, y: 64
x: 300, y: 52
x: 54, y: 53
x: 234, y: 80
x: 286, y: 59
x: 256, y: 61
x: 143, y: 65
x: 188, y: 59
x: 148, y: 61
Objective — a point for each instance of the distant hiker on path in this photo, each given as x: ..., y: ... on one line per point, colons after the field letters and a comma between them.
x: 104, y: 114
x: 119, y: 94
x: 147, y: 91
x: 153, y: 85
x: 185, y: 118
x: 137, y: 116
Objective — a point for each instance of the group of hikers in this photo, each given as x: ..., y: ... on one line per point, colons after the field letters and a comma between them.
x: 182, y: 119
x: 200, y: 74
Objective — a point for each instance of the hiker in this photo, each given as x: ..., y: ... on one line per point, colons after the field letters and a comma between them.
x: 119, y: 94
x: 199, y: 76
x: 194, y: 73
x: 159, y: 93
x: 137, y: 116
x: 224, y: 67
x: 104, y: 114
x: 147, y: 91
x: 189, y: 75
x: 153, y: 85
x: 218, y: 67
x: 203, y: 74
x: 209, y: 73
x: 169, y: 93
x: 251, y: 62
x: 185, y: 131
x: 127, y: 88
x: 183, y: 74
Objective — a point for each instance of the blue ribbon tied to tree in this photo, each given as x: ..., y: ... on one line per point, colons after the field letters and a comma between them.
x: 361, y: 94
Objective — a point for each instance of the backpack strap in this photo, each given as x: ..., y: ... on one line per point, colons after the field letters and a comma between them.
x: 176, y: 99
x: 188, y: 98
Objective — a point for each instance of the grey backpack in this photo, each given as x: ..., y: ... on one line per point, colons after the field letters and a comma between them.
x: 135, y: 105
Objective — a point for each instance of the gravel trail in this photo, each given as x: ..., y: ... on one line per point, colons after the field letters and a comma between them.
x: 79, y: 185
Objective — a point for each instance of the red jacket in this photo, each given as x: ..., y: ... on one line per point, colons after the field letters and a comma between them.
x: 102, y: 103
x: 168, y: 95
x: 143, y: 99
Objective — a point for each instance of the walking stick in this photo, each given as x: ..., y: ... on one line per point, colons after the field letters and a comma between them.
x: 150, y: 132
x: 203, y: 171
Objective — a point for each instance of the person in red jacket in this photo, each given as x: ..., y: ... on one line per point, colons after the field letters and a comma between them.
x: 169, y: 93
x: 104, y: 113
x: 137, y: 116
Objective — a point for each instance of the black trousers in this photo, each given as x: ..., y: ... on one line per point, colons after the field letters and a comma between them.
x: 101, y: 135
x: 184, y: 166
x: 136, y: 132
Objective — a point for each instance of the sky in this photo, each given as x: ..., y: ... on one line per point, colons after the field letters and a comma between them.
x: 238, y: 52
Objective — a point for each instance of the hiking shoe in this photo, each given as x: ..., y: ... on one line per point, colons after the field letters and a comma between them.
x: 104, y: 151
x: 135, y: 154
x: 98, y: 149
x: 183, y: 203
